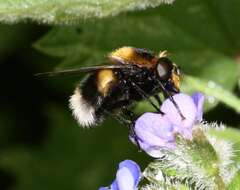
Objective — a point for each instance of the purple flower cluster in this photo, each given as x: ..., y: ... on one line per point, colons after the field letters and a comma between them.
x: 155, y: 131
x: 127, y: 177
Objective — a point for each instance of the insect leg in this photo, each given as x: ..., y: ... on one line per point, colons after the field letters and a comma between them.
x: 132, y: 132
x: 129, y: 113
x: 168, y: 95
x: 145, y: 96
x: 118, y: 117
x: 125, y: 122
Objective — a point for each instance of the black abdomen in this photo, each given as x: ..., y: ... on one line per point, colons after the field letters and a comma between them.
x: 120, y: 93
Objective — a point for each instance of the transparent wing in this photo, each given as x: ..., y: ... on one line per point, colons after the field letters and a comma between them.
x: 78, y: 71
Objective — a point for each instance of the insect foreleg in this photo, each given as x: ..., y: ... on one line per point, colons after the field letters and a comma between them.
x: 145, y: 96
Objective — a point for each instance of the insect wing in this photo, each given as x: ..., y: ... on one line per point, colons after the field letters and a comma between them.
x: 71, y: 72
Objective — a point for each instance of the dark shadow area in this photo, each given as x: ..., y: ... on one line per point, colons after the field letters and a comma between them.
x: 7, y: 179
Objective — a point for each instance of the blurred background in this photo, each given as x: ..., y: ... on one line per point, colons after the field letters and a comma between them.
x: 41, y: 145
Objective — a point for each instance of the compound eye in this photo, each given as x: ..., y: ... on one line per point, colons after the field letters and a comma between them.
x: 162, y: 71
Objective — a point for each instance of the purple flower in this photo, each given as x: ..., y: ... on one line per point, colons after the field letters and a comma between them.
x: 155, y: 131
x: 198, y: 99
x: 127, y: 177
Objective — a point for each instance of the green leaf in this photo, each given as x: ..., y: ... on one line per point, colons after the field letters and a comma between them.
x: 214, y: 91
x: 191, y: 31
x: 235, y: 184
x: 68, y: 11
x: 228, y: 134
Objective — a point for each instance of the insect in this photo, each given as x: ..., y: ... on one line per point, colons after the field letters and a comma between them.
x: 109, y: 90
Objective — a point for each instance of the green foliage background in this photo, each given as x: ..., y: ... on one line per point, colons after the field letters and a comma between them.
x: 41, y: 146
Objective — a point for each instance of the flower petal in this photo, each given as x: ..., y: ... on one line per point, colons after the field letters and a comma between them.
x: 155, y: 125
x: 198, y: 99
x: 154, y: 132
x: 125, y: 180
x: 127, y: 177
x: 114, y: 185
x: 128, y: 174
x: 186, y: 132
x: 156, y: 151
x: 187, y: 107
